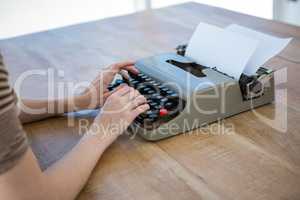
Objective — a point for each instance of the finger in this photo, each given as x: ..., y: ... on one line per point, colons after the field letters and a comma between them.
x: 124, y: 74
x: 128, y: 66
x: 131, y: 95
x: 139, y: 100
x: 119, y: 87
x: 107, y: 94
x: 104, y: 77
x: 121, y: 90
x: 135, y: 93
x: 131, y: 69
x: 140, y: 109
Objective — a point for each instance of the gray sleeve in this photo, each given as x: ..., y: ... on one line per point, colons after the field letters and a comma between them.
x: 13, y: 141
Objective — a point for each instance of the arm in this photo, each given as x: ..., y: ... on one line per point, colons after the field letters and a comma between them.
x: 34, y: 110
x: 62, y: 180
x: 65, y: 179
x: 113, y: 115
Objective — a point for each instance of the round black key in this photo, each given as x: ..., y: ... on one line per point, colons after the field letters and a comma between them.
x: 155, y: 84
x: 150, y: 92
x: 140, y: 75
x: 169, y: 105
x: 149, y: 101
x: 141, y: 87
x: 149, y: 112
x: 153, y: 96
x: 139, y: 119
x: 144, y: 77
x: 147, y: 79
x: 135, y: 82
x: 164, y: 90
x: 173, y: 95
x: 119, y: 81
x: 157, y: 107
x: 146, y: 89
x: 153, y: 104
x: 149, y: 120
x: 157, y: 98
x: 163, y: 100
x: 160, y: 86
x: 152, y: 82
x: 153, y: 116
x: 169, y: 92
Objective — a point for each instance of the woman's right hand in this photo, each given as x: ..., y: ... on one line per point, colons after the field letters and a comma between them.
x: 119, y: 111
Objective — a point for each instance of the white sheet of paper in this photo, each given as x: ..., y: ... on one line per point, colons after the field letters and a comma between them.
x: 268, y: 47
x: 229, y: 52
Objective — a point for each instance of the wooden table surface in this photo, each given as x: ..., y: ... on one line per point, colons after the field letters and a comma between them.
x: 257, y: 161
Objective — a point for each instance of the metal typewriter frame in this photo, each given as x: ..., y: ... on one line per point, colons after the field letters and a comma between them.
x: 239, y: 96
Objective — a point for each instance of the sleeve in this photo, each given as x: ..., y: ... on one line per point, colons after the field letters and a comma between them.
x: 13, y: 141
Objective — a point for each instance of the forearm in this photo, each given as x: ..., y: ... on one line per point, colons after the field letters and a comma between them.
x: 34, y: 110
x: 72, y: 172
x: 62, y: 181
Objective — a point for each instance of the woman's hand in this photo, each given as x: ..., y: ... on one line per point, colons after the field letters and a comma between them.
x: 96, y: 94
x: 118, y: 112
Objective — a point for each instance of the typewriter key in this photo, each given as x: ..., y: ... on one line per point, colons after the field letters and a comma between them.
x: 150, y: 92
x: 173, y: 96
x: 164, y: 90
x: 153, y: 116
x: 119, y: 81
x: 143, y: 78
x: 135, y: 83
x: 169, y: 92
x: 153, y: 104
x: 163, y: 101
x: 163, y: 112
x: 155, y: 84
x: 169, y: 105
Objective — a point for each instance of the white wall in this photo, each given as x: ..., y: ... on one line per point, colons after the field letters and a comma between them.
x: 19, y: 17
x: 260, y: 8
x: 287, y: 11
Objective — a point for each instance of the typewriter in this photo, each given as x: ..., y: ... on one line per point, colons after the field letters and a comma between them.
x: 184, y: 95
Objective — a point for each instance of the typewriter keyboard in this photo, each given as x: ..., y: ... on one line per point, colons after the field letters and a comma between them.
x: 165, y: 103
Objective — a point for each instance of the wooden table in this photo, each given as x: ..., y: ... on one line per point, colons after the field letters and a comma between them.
x: 256, y: 161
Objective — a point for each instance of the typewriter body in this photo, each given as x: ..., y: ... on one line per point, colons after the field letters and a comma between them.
x: 184, y: 95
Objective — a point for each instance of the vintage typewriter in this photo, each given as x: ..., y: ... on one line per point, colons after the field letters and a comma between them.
x: 184, y: 95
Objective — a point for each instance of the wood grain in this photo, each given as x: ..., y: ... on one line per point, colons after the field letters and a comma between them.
x: 257, y: 159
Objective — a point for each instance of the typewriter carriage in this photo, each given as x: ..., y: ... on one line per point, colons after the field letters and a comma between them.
x: 251, y: 86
